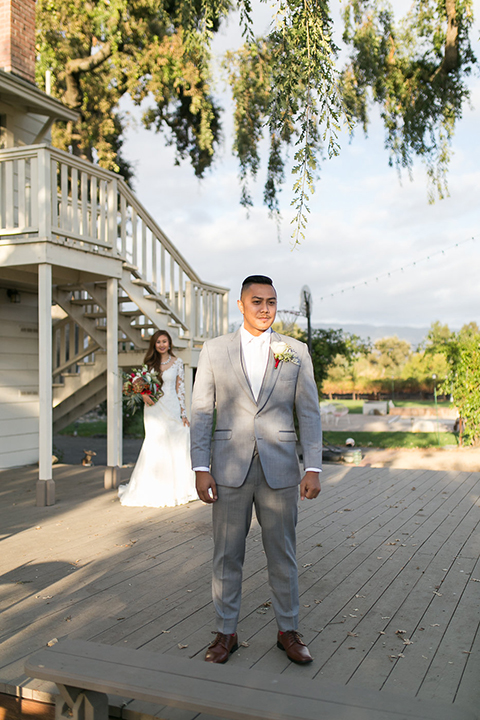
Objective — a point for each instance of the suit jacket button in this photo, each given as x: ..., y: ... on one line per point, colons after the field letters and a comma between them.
x: 253, y: 437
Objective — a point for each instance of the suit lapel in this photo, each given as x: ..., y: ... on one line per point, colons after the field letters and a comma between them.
x: 235, y: 354
x: 271, y: 374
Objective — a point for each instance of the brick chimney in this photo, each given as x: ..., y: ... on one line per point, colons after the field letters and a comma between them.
x: 17, y: 38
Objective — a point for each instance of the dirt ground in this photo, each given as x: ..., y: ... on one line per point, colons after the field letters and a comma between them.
x: 460, y: 459
x: 457, y: 459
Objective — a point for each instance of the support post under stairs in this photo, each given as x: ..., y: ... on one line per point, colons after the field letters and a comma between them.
x: 45, y: 483
x: 114, y: 389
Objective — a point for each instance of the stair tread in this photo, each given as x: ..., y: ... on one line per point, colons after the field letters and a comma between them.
x: 82, y: 301
x: 142, y: 283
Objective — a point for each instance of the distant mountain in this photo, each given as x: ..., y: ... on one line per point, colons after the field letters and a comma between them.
x: 413, y: 335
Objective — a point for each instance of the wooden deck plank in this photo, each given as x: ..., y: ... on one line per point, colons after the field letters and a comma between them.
x: 222, y: 691
x: 431, y: 519
x: 412, y: 665
x: 447, y: 631
x: 467, y: 694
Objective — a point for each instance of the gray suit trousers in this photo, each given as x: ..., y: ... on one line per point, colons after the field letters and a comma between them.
x: 276, y: 511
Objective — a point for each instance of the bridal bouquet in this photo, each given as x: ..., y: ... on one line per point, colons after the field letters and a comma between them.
x: 141, y: 382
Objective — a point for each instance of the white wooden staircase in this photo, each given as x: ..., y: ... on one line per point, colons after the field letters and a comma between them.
x: 77, y: 233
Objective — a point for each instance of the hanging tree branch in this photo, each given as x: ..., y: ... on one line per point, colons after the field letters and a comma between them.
x: 285, y: 85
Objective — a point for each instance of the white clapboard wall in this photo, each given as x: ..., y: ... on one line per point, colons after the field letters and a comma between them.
x: 18, y: 380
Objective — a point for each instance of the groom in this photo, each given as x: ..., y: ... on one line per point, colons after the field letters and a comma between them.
x: 254, y: 378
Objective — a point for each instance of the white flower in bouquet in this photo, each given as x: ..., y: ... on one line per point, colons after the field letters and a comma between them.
x: 141, y: 381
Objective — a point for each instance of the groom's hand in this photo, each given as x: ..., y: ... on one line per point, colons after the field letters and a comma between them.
x: 310, y: 485
x: 206, y: 486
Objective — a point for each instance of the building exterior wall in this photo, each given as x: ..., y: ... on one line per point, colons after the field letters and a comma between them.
x: 19, y: 128
x: 17, y: 38
x: 18, y: 380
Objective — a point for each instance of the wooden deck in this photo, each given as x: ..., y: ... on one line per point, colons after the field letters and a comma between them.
x: 389, y: 579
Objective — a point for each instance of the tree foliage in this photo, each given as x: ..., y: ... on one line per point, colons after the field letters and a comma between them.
x: 462, y: 352
x: 436, y: 336
x: 327, y: 344
x: 286, y: 85
x: 100, y: 50
x: 416, y: 71
x: 390, y: 353
x: 448, y: 361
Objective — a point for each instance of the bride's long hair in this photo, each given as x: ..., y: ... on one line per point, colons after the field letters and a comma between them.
x: 152, y: 356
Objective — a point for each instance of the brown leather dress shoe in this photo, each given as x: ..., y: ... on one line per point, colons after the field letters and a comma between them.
x: 296, y: 650
x: 221, y: 648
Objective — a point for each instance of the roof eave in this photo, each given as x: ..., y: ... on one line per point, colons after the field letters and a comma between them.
x: 14, y: 89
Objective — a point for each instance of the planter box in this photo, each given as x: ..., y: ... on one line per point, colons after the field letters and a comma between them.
x: 379, y: 407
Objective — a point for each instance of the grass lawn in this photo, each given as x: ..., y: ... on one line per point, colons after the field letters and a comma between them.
x: 422, y: 403
x: 332, y: 437
x: 391, y: 439
x: 99, y: 428
x: 356, y: 406
x: 86, y: 429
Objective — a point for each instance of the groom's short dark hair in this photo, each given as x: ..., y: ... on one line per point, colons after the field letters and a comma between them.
x: 255, y: 280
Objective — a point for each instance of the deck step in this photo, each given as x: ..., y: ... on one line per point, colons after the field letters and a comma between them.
x: 142, y: 283
x: 130, y: 313
x: 82, y: 301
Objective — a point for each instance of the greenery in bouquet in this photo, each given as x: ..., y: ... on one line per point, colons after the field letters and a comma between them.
x: 139, y: 382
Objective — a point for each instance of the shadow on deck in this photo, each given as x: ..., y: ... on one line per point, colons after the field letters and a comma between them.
x: 389, y: 578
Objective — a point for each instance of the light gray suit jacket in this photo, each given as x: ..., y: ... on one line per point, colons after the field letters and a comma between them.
x: 221, y: 382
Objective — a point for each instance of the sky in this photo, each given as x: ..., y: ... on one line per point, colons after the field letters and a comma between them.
x: 366, y: 228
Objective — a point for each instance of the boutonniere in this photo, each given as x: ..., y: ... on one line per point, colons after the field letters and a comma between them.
x: 284, y: 353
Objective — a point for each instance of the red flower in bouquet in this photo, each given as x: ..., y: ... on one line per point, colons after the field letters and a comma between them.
x: 141, y: 382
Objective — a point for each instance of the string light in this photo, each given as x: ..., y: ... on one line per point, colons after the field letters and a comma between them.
x: 401, y: 269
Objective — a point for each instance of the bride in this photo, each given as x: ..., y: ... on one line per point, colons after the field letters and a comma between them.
x: 162, y: 476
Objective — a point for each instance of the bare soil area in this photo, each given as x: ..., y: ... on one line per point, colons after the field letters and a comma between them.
x: 460, y: 459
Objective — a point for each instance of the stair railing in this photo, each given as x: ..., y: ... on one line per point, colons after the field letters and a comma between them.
x: 49, y: 195
x: 71, y: 345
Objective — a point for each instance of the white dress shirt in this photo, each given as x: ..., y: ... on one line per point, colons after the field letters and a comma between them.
x: 255, y: 354
x: 255, y: 351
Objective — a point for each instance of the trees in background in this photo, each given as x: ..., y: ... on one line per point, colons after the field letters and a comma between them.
x: 345, y: 364
x: 331, y: 349
x: 346, y: 367
x: 389, y: 355
x: 326, y: 346
x: 462, y: 355
x: 287, y: 86
x: 391, y: 366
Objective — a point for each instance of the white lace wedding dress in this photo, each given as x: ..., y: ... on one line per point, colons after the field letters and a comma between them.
x: 162, y: 476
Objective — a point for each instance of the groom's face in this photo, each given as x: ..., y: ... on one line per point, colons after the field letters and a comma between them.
x: 258, y: 306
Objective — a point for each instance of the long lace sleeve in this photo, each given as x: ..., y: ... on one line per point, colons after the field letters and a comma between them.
x: 180, y: 388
